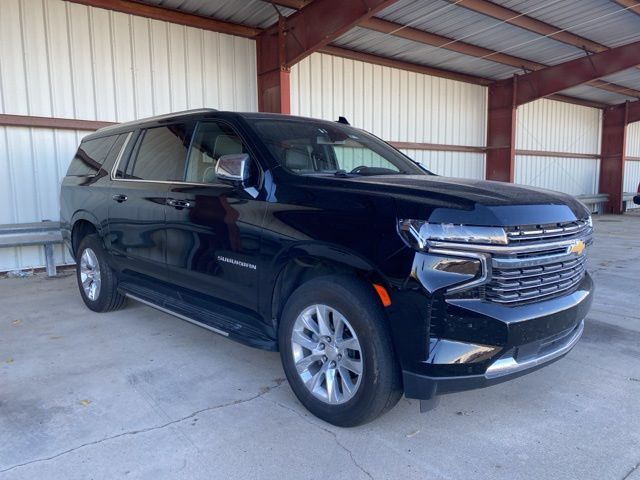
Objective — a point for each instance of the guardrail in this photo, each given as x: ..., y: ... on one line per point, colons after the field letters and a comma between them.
x: 595, y: 202
x: 45, y: 233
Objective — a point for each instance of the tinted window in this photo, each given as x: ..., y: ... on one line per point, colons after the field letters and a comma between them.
x: 211, y: 141
x: 91, y: 155
x: 323, y: 148
x: 114, y: 152
x: 161, y: 153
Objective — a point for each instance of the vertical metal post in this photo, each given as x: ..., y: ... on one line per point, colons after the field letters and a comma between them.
x: 614, y: 133
x: 501, y: 136
x: 49, y: 259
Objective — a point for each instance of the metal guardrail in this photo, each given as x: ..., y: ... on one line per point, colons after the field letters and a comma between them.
x: 596, y: 201
x: 45, y: 233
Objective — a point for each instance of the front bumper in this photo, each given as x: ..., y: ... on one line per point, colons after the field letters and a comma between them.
x: 488, y: 343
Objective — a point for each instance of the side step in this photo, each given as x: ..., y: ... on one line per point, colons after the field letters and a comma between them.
x: 207, y: 314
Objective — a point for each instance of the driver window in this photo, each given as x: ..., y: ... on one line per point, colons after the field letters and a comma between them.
x: 210, y: 142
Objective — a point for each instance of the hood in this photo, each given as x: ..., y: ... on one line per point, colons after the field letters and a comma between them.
x: 472, y: 202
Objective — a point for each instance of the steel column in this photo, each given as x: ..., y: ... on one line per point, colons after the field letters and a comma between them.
x: 614, y: 123
x: 501, y: 130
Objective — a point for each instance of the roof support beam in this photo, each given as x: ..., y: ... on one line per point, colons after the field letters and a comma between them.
x: 173, y: 16
x: 631, y: 5
x: 550, y: 80
x: 292, y: 38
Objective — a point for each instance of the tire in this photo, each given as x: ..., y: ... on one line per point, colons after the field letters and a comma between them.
x: 353, y: 399
x: 101, y: 292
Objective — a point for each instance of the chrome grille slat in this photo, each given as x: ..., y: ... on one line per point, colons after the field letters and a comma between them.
x: 515, y: 281
x: 547, y: 232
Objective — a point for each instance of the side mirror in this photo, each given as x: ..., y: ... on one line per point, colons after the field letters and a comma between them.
x: 234, y: 168
x: 636, y: 199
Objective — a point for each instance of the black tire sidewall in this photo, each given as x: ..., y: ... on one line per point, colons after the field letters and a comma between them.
x: 356, y: 302
x: 107, y: 282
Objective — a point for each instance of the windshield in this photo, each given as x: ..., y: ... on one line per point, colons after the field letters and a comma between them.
x: 322, y: 148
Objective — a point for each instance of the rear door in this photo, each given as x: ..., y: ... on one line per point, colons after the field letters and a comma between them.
x: 137, y: 204
x: 213, y: 228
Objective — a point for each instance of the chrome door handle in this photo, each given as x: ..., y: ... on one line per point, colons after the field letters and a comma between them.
x: 119, y: 198
x: 179, y: 204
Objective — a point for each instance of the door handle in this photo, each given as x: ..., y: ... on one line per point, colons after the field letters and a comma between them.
x: 119, y: 198
x: 179, y: 204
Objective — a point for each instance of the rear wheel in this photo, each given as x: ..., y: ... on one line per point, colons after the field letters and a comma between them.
x: 96, y: 280
x: 337, y: 353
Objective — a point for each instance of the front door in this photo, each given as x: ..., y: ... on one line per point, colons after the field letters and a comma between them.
x: 213, y: 228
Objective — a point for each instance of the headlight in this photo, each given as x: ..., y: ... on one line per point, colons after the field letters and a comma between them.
x: 590, y: 222
x: 419, y: 233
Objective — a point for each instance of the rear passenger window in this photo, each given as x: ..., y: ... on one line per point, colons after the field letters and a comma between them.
x: 91, y: 155
x: 161, y: 153
x: 211, y: 141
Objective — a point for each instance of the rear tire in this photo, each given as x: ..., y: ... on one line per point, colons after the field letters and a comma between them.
x: 96, y: 280
x: 345, y: 373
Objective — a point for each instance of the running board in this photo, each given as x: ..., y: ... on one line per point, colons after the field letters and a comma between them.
x: 176, y: 314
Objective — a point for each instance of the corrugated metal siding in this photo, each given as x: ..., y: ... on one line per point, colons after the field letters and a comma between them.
x: 395, y: 105
x: 554, y: 126
x: 61, y: 59
x: 550, y: 126
x: 576, y: 176
x: 632, y: 167
x: 451, y: 164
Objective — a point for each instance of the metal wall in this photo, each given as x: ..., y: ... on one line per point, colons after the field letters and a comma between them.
x: 551, y: 126
x: 396, y: 105
x: 61, y: 59
x: 632, y: 167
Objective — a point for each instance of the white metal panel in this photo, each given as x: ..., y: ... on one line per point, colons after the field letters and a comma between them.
x: 633, y: 140
x: 576, y: 176
x: 394, y: 104
x: 67, y: 60
x: 554, y: 126
x: 451, y: 164
x: 631, y: 179
x: 32, y: 163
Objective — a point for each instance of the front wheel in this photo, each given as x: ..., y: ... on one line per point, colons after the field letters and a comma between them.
x: 96, y: 280
x: 337, y: 353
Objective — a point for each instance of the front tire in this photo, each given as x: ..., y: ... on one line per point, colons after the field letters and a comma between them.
x: 96, y: 280
x: 337, y: 352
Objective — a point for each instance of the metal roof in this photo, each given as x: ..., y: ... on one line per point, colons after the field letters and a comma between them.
x: 601, y: 21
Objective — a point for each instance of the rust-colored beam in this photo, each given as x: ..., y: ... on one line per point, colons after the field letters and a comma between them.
x: 631, y: 5
x: 293, y: 38
x: 427, y: 38
x: 402, y: 65
x: 173, y: 16
x: 633, y: 112
x: 293, y: 4
x: 547, y: 81
x: 7, y: 120
x: 613, y: 146
x: 501, y: 130
x: 512, y: 17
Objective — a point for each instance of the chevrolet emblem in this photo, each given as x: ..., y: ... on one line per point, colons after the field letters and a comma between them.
x: 577, y: 247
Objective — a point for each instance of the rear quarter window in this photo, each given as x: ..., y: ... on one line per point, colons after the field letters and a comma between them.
x: 91, y: 155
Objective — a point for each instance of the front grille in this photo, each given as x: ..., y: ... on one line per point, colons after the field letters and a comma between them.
x: 546, y: 268
x: 517, y: 284
x: 548, y: 232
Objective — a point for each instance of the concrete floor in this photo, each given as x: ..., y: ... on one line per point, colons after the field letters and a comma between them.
x: 141, y: 394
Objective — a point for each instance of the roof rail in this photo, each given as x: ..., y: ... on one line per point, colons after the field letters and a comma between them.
x: 156, y: 118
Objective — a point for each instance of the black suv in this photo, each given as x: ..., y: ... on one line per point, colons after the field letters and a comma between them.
x: 369, y: 274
